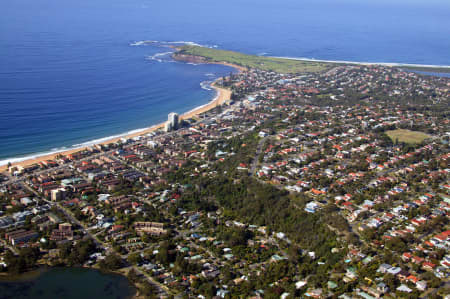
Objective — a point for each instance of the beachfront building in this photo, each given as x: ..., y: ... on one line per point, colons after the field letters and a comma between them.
x: 172, y: 122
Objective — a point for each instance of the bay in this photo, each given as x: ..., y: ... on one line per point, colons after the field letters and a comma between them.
x: 69, y: 72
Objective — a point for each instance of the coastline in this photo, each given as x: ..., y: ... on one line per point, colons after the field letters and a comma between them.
x: 389, y: 64
x: 221, y: 97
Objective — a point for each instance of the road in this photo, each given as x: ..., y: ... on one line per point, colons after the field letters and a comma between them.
x: 6, y: 245
x: 71, y: 217
x: 258, y: 152
x: 163, y: 291
x: 13, y: 179
x: 431, y: 292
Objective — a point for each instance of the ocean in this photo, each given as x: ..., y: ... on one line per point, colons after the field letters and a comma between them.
x: 74, y: 72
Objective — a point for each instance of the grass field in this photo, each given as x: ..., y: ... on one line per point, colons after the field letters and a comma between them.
x: 407, y: 136
x: 278, y: 65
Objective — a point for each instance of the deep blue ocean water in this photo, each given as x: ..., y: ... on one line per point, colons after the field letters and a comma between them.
x: 69, y: 73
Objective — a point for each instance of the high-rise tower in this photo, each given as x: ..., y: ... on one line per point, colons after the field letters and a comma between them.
x: 172, y: 122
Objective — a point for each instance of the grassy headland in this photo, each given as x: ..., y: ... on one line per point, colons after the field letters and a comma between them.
x: 198, y: 54
x: 279, y: 65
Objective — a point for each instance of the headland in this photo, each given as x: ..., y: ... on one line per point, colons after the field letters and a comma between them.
x: 286, y: 65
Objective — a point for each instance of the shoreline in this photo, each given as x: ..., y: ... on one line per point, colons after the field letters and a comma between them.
x: 391, y: 64
x: 5, y: 277
x: 222, y: 95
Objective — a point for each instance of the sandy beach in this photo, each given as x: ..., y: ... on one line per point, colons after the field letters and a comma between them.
x: 222, y: 96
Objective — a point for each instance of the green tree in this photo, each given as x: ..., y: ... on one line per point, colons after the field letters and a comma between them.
x: 148, y: 290
x: 111, y: 262
x: 134, y: 258
x: 133, y: 276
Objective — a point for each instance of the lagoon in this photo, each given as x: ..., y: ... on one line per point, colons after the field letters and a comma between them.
x: 67, y: 283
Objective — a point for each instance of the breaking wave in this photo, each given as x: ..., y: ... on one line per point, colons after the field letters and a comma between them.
x: 143, y: 43
x: 161, y: 57
x: 75, y: 146
x: 397, y: 64
x: 206, y: 85
x: 169, y: 43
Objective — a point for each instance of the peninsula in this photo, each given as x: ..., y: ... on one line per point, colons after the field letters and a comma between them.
x: 197, y: 54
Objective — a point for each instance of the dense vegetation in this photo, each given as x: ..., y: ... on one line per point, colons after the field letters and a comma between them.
x: 261, y: 204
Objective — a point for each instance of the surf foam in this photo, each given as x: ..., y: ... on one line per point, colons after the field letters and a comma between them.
x: 161, y: 57
x: 398, y: 64
x: 75, y: 146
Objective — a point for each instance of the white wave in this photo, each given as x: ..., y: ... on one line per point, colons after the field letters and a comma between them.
x: 142, y: 43
x: 190, y: 44
x: 184, y: 43
x: 95, y: 141
x: 209, y: 75
x: 160, y: 57
x: 202, y: 106
x: 137, y: 44
x: 32, y: 156
x: 398, y: 64
x: 206, y: 85
x: 104, y: 139
x: 168, y: 43
x: 162, y: 54
x: 262, y: 54
x: 75, y: 146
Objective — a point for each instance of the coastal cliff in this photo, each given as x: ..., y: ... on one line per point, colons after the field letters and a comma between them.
x: 189, y: 58
x: 183, y: 55
x: 198, y: 54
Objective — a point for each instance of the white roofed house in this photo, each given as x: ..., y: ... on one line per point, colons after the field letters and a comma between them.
x: 404, y: 288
